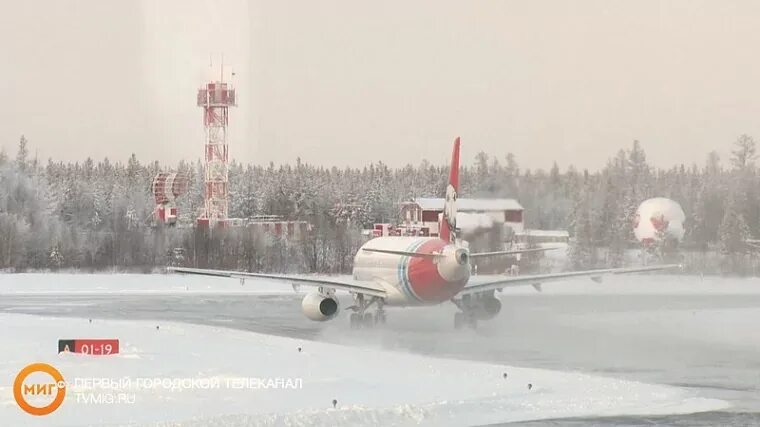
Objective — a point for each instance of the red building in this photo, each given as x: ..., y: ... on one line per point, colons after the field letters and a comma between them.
x: 421, y: 215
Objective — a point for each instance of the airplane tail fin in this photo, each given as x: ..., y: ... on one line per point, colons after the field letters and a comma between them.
x: 448, y: 226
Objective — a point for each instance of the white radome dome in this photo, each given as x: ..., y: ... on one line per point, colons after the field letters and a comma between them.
x: 658, y: 215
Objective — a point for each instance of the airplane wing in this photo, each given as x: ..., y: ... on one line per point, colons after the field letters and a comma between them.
x: 354, y: 287
x: 487, y: 283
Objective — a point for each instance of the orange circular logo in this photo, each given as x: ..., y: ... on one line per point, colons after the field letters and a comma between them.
x: 57, y: 387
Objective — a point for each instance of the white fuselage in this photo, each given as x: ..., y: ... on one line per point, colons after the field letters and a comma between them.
x: 412, y: 280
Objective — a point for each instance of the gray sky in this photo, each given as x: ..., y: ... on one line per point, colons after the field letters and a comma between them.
x: 340, y: 82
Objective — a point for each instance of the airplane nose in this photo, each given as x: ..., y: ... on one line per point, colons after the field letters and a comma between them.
x: 462, y: 256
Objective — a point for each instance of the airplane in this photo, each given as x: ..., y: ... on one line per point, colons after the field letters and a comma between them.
x: 416, y: 271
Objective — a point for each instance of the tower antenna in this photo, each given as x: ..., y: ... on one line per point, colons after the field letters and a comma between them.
x: 215, y: 98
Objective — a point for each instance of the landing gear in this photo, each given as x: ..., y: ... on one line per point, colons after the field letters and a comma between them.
x: 462, y: 320
x: 380, y: 313
x: 369, y: 320
x: 366, y: 320
x: 355, y: 320
x: 468, y: 316
x: 361, y: 318
x: 380, y: 317
x: 458, y: 320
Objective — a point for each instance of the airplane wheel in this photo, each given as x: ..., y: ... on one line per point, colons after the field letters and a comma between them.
x: 459, y: 320
x: 380, y: 318
x: 355, y: 320
x: 472, y: 322
x: 369, y: 321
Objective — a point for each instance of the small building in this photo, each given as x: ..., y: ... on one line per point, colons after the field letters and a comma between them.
x: 277, y: 227
x: 385, y: 229
x: 423, y: 213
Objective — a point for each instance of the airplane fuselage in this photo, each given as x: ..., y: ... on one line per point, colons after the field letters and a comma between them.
x: 412, y: 281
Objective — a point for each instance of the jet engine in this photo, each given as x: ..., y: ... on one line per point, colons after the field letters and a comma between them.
x: 319, y: 307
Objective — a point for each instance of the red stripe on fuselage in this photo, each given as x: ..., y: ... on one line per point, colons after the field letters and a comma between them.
x: 425, y: 280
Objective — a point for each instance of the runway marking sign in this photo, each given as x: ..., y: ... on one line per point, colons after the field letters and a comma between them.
x: 95, y: 347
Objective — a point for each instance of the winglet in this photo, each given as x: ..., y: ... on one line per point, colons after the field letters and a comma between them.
x: 449, y: 218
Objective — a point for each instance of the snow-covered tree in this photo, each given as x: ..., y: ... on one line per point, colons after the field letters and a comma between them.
x: 733, y: 229
x: 582, y: 250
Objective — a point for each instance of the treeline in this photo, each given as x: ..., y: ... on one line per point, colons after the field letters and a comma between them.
x: 722, y: 207
x: 97, y: 215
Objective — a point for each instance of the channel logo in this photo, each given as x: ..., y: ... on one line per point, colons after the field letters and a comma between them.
x: 41, y: 395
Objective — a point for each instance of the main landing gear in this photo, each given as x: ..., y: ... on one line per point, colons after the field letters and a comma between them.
x: 475, y: 307
x: 361, y: 318
x: 467, y: 317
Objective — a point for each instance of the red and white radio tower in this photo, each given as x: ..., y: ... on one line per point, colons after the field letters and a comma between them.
x: 216, y: 97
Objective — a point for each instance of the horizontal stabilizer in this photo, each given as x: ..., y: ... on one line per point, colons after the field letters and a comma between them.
x: 512, y: 252
x: 401, y: 253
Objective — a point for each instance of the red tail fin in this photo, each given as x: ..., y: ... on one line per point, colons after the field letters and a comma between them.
x: 449, y: 218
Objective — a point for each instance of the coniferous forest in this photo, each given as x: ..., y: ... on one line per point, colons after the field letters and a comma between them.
x: 96, y: 214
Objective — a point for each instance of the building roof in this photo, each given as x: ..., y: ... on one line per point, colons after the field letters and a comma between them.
x: 476, y: 205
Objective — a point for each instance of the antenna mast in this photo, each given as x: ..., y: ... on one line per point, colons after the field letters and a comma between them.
x: 215, y: 98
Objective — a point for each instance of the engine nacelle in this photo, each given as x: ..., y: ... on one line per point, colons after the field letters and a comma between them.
x: 488, y: 308
x: 319, y: 307
x: 454, y: 265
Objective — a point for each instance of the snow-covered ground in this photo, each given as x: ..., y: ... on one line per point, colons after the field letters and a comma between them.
x: 649, y: 284
x: 136, y: 284
x: 372, y: 387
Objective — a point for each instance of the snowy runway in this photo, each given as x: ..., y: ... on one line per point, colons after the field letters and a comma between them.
x: 693, y: 335
x: 371, y: 387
